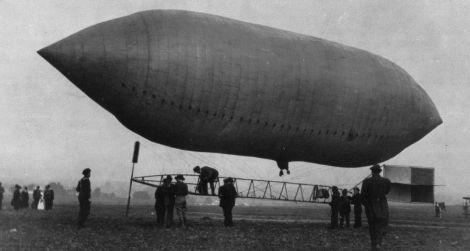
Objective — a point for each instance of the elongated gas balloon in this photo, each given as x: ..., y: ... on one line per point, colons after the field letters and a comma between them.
x: 207, y: 83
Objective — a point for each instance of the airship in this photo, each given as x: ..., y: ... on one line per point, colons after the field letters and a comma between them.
x: 207, y: 83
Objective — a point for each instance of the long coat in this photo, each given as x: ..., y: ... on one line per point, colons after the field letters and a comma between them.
x: 84, y: 189
x: 16, y: 200
x: 36, y: 195
x: 227, y: 195
x: 345, y: 204
x: 374, y: 191
x: 24, y: 199
x: 159, y: 198
x: 168, y: 191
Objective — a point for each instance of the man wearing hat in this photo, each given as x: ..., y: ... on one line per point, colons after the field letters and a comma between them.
x: 168, y: 190
x: 84, y: 192
x: 181, y: 190
x: 206, y: 175
x: 334, y: 204
x: 49, y: 197
x: 160, y: 205
x: 356, y: 200
x: 374, y: 191
x: 227, y: 195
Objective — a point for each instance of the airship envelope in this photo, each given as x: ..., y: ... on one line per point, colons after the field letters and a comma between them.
x: 206, y: 83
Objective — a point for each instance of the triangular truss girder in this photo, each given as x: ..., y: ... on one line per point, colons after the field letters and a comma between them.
x: 254, y: 188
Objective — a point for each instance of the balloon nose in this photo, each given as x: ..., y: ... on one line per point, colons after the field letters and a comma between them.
x: 65, y: 55
x: 435, y: 119
x: 48, y: 54
x: 79, y: 57
x: 431, y: 114
x: 44, y: 53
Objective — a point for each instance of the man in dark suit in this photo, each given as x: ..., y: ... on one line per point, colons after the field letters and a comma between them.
x: 357, y: 202
x: 160, y: 205
x: 227, y: 195
x: 25, y: 198
x: 374, y: 191
x: 334, y: 204
x: 16, y: 200
x: 84, y: 194
x: 36, y: 198
x: 49, y: 197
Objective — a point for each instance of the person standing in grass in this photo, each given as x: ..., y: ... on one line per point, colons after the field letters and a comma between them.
x: 227, y: 196
x: 168, y: 200
x: 344, y: 208
x: 84, y: 194
x: 25, y: 198
x: 334, y: 204
x: 356, y: 201
x: 41, y: 202
x: 181, y: 190
x: 48, y: 197
x: 160, y: 205
x: 374, y: 191
x: 36, y: 198
x: 465, y: 209
x: 2, y: 190
x: 16, y: 200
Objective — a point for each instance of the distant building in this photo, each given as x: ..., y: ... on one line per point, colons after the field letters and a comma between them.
x: 410, y: 184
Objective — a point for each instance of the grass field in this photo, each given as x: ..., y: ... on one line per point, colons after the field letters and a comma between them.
x: 297, y: 227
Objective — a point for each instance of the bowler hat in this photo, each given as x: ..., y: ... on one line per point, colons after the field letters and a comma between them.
x: 86, y: 170
x: 196, y: 169
x: 376, y: 168
x: 168, y: 177
x: 179, y: 177
x: 229, y: 179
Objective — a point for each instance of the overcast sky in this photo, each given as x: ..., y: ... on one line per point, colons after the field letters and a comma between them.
x: 50, y: 130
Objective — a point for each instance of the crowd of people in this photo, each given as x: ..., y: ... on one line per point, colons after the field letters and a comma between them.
x: 172, y: 196
x: 373, y: 198
x: 41, y: 200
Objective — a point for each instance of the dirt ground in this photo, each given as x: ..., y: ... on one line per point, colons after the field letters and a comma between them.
x: 296, y: 227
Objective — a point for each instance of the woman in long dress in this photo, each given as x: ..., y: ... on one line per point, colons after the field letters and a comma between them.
x: 41, y: 202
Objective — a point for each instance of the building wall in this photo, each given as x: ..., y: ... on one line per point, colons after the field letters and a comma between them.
x: 397, y: 174
x: 422, y: 194
x: 400, y: 192
x: 410, y: 184
x: 422, y: 176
